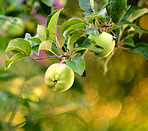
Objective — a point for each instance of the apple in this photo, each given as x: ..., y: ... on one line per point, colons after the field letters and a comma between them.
x: 106, y: 41
x: 13, y: 28
x: 59, y: 77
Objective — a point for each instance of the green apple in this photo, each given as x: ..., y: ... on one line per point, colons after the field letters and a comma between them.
x: 105, y: 40
x: 59, y: 77
x: 13, y: 28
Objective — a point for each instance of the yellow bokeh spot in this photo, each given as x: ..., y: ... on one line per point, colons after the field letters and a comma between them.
x: 38, y: 92
x: 18, y: 118
x: 143, y: 21
x: 113, y: 109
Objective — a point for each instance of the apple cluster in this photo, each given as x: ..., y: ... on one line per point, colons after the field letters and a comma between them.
x: 60, y: 77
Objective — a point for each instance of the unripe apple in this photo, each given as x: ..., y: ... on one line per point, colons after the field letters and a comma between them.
x: 106, y: 41
x: 13, y: 28
x: 59, y: 77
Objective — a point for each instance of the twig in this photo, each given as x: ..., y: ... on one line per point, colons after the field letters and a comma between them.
x: 112, y: 32
x: 59, y: 57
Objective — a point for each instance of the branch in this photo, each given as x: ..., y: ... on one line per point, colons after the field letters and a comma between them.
x: 59, y: 57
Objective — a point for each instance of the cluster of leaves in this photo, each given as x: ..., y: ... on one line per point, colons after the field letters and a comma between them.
x: 69, y: 41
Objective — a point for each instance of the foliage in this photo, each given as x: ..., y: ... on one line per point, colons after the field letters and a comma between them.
x: 69, y: 41
x: 72, y: 31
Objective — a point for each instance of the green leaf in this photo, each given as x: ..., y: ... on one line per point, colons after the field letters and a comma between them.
x: 91, y: 48
x: 72, y: 28
x: 69, y: 23
x: 101, y: 15
x: 87, y: 44
x: 93, y: 31
x: 6, y: 75
x: 19, y: 44
x: 3, y: 17
x: 35, y: 49
x: 92, y: 4
x: 4, y: 42
x: 75, y: 36
x: 49, y: 17
x: 141, y: 48
x: 48, y: 2
x: 135, y: 12
x: 137, y: 28
x: 35, y: 40
x: 129, y: 42
x: 144, y: 30
x: 32, y: 40
x: 45, y: 45
x: 42, y: 31
x: 52, y: 26
x: 27, y: 35
x: 85, y: 5
x: 116, y: 9
x: 14, y: 58
x: 77, y: 64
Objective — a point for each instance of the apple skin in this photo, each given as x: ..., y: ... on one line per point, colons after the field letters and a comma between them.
x: 106, y: 41
x: 14, y: 29
x: 59, y: 77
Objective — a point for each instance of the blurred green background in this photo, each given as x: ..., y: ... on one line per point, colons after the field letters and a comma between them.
x: 117, y: 101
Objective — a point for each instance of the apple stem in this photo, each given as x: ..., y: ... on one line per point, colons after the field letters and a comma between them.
x: 60, y: 60
x: 115, y: 36
x: 46, y: 53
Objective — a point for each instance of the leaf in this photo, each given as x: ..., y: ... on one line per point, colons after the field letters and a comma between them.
x: 27, y: 35
x: 14, y: 58
x: 42, y: 31
x: 48, y: 2
x: 35, y: 40
x: 129, y: 42
x: 35, y: 49
x: 135, y: 12
x: 87, y: 44
x: 69, y: 23
x: 64, y: 27
x: 75, y: 36
x: 101, y: 15
x: 92, y: 4
x: 19, y: 44
x: 141, y: 48
x: 116, y: 9
x: 144, y: 30
x: 49, y: 17
x: 4, y: 42
x: 32, y: 40
x: 77, y: 64
x: 93, y: 31
x: 6, y: 75
x: 45, y: 45
x: 91, y: 48
x: 52, y: 26
x: 72, y: 28
x: 85, y: 5
x: 137, y: 28
x: 3, y: 17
